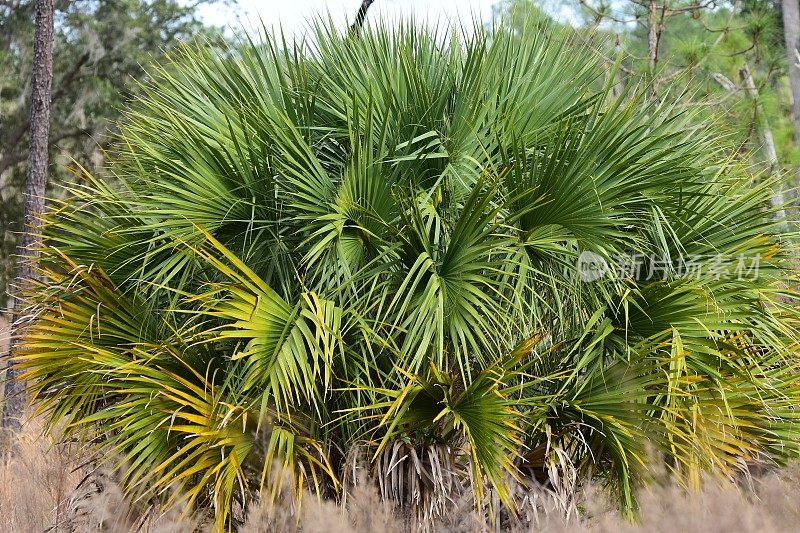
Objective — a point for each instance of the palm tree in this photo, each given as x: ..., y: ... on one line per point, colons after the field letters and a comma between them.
x: 361, y: 252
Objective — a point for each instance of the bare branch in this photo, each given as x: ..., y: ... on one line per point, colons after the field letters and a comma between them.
x: 693, y: 7
x: 604, y: 15
x: 724, y: 82
x: 358, y: 24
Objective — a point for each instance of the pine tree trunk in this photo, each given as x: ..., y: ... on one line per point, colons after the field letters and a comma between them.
x: 652, y: 46
x: 38, y: 133
x: 791, y: 34
x: 767, y: 142
x: 652, y: 37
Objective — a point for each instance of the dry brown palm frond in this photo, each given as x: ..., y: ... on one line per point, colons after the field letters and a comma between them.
x: 425, y: 481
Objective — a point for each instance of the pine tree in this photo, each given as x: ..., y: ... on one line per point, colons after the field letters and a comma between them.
x: 36, y: 184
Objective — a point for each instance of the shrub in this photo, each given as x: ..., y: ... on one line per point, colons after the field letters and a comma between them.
x: 364, y: 253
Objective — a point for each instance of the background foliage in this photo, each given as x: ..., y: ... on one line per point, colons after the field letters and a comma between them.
x: 101, y: 52
x: 701, y: 48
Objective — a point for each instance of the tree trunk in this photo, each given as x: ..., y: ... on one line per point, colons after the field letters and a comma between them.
x: 791, y: 34
x: 652, y: 45
x: 38, y: 133
x: 767, y: 142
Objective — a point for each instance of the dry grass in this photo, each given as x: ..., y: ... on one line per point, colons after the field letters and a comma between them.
x: 38, y: 493
x: 34, y: 483
x: 4, y: 333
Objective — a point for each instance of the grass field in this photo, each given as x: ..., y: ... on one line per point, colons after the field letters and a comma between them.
x: 42, y: 490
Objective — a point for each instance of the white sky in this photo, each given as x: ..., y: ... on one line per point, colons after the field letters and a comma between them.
x: 293, y: 13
